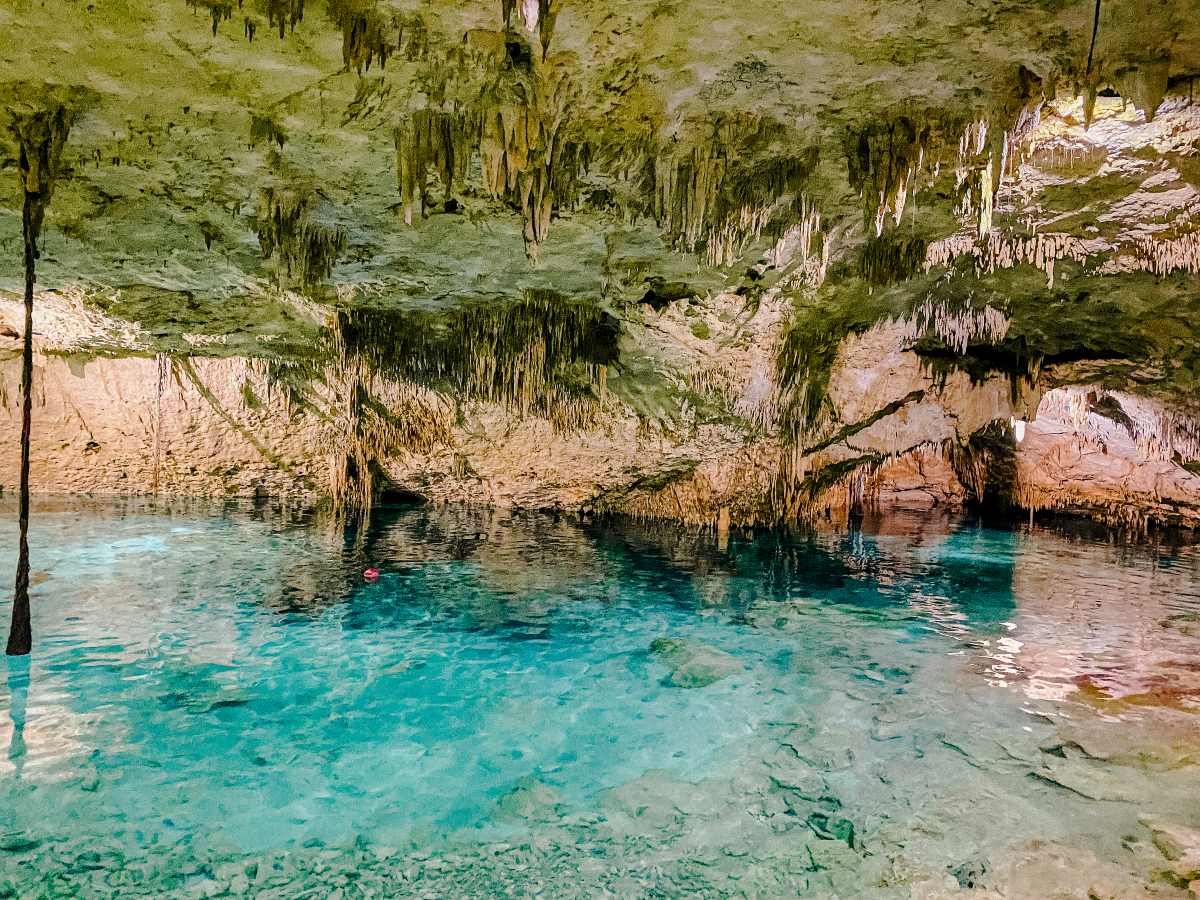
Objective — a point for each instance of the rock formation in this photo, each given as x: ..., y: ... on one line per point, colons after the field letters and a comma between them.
x: 717, y: 265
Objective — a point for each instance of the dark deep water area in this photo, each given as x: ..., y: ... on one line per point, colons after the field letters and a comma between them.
x: 219, y: 701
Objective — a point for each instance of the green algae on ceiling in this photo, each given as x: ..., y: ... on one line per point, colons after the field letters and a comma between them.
x: 432, y: 155
x: 179, y: 99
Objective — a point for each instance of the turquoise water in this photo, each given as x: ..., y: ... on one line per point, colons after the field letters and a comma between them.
x: 219, y: 702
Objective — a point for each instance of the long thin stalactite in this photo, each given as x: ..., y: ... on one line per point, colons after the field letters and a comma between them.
x: 40, y: 123
x: 20, y: 635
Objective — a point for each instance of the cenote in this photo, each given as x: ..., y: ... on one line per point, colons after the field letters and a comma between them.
x: 219, y: 702
x: 796, y: 404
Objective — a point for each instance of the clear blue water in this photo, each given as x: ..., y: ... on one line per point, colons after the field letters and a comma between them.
x: 223, y: 677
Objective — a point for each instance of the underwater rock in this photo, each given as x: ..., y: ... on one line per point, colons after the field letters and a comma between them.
x: 693, y: 665
x: 531, y: 800
x: 17, y: 841
x: 1180, y: 845
x: 969, y: 874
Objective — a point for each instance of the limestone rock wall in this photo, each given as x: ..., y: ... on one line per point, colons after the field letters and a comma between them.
x: 142, y: 426
x: 222, y: 427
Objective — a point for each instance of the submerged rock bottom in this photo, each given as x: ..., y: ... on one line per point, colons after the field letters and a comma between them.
x: 699, y: 845
x: 814, y: 808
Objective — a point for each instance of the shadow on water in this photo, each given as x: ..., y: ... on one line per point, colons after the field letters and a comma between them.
x: 18, y: 671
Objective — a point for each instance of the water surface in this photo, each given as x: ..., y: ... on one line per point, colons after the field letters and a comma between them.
x: 218, y: 701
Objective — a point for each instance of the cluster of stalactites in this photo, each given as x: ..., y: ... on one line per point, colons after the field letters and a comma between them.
x: 987, y: 158
x: 719, y: 192
x: 516, y: 126
x: 369, y: 34
x: 524, y: 154
x: 883, y: 160
x: 219, y: 11
x: 1093, y: 413
x: 444, y: 141
x: 539, y: 17
x: 805, y: 244
x: 888, y: 160
x: 808, y: 486
x: 1175, y: 436
x: 1004, y: 251
x: 1164, y: 256
x: 40, y: 128
x: 519, y: 359
x: 266, y: 128
x: 727, y: 241
x: 282, y: 15
x: 370, y: 419
x: 542, y: 355
x: 751, y: 395
x: 1143, y: 81
x: 289, y: 231
x: 714, y: 197
x: 957, y: 326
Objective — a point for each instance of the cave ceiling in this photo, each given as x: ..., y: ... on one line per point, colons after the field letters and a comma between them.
x: 226, y: 156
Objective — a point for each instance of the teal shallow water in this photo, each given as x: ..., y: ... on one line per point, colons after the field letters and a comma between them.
x: 925, y: 696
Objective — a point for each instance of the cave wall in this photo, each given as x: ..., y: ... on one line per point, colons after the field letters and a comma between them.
x: 226, y: 427
x: 144, y: 426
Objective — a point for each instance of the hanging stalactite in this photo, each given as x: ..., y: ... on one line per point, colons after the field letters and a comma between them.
x: 290, y: 231
x: 40, y: 119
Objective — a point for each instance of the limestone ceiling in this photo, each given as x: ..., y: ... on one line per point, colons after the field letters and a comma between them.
x: 419, y: 152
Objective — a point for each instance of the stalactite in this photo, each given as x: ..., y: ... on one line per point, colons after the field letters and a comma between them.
x: 724, y: 184
x: 1163, y: 256
x: 727, y: 241
x: 40, y: 120
x: 1092, y: 412
x: 372, y: 418
x: 219, y: 11
x: 163, y: 363
x: 806, y: 487
x: 444, y: 141
x: 1145, y: 83
x: 890, y: 259
x: 986, y: 198
x: 797, y: 240
x: 547, y: 17
x: 1004, y: 251
x: 288, y: 230
x: 366, y: 33
x: 284, y: 15
x: 266, y: 127
x: 542, y: 355
x: 987, y: 155
x: 883, y: 159
x: 524, y: 152
x: 956, y: 326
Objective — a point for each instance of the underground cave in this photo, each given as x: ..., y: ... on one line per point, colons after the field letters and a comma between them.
x: 600, y: 448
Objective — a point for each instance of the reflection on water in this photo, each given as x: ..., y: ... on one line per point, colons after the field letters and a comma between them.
x: 915, y: 704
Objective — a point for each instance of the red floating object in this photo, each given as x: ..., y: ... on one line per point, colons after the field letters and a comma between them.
x: 371, y: 574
